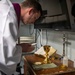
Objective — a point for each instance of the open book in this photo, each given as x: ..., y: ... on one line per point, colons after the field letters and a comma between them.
x: 42, y: 52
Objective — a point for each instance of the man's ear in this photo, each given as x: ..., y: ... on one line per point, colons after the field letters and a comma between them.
x: 31, y: 11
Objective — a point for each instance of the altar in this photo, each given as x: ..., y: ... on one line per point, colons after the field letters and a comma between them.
x: 30, y: 60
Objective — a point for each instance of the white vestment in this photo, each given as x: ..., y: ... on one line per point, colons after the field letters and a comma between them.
x: 10, y: 54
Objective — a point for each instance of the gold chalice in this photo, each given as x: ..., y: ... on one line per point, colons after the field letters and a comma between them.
x: 46, y: 49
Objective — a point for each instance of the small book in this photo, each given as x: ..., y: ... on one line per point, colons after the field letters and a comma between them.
x: 42, y: 52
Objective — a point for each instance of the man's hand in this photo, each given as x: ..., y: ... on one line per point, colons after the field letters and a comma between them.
x: 26, y: 47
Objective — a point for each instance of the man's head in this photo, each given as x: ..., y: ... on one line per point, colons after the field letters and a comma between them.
x: 30, y: 11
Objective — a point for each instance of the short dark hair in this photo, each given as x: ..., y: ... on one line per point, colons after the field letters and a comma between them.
x: 32, y: 3
x: 73, y: 10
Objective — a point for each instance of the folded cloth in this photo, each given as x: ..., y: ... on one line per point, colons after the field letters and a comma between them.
x: 42, y: 52
x: 44, y: 66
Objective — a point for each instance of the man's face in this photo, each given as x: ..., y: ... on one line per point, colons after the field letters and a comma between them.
x: 30, y: 17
